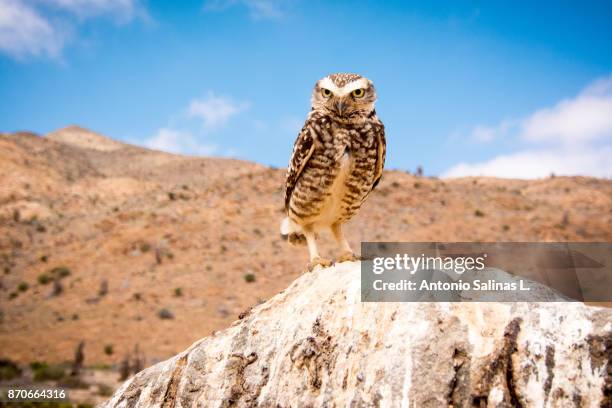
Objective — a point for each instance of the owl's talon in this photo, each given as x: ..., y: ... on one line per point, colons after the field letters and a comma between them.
x: 348, y: 257
x: 319, y: 261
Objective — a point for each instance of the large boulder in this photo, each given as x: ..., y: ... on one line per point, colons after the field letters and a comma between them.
x: 316, y: 345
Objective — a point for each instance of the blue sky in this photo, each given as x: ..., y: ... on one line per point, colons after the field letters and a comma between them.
x: 518, y: 90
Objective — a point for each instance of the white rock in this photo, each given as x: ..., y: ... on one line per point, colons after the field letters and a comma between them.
x: 316, y: 344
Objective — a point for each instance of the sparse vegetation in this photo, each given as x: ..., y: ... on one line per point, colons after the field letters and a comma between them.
x: 479, y: 213
x: 34, y: 365
x: 565, y: 220
x: 55, y: 275
x: 145, y: 247
x: 60, y: 272
x: 124, y: 368
x: 79, y: 359
x: 417, y: 184
x: 23, y: 286
x: 108, y: 349
x: 102, y: 366
x: 42, y: 371
x: 249, y: 277
x: 34, y: 222
x: 44, y: 278
x: 58, y: 288
x: 8, y: 370
x: 159, y: 255
x: 105, y: 390
x: 165, y: 314
x: 506, y: 227
x: 73, y: 382
x: 178, y: 292
x: 103, y: 291
x: 132, y: 363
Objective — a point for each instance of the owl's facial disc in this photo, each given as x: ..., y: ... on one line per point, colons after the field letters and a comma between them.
x: 328, y: 83
x: 353, y: 98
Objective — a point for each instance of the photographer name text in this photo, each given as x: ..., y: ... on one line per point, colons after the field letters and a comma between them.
x: 488, y: 285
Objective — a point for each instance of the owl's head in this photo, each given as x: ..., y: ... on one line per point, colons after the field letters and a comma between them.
x: 344, y: 95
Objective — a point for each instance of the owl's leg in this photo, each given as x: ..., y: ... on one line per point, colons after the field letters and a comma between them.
x: 315, y: 259
x: 346, y: 253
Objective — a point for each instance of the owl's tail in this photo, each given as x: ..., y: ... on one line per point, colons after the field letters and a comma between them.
x: 291, y: 232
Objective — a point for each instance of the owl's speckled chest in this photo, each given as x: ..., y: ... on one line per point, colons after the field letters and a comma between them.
x: 339, y: 174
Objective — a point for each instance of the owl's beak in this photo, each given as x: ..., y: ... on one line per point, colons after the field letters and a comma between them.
x: 340, y: 107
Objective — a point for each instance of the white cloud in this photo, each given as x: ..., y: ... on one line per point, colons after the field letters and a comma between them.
x: 40, y: 27
x: 265, y: 8
x: 124, y: 10
x: 23, y: 31
x: 258, y: 9
x: 584, y: 118
x: 215, y: 110
x: 483, y: 133
x: 179, y: 142
x: 486, y: 134
x: 573, y: 137
x: 180, y: 138
x: 531, y: 164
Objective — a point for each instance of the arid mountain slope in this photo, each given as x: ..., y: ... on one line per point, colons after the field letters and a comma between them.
x: 159, y: 250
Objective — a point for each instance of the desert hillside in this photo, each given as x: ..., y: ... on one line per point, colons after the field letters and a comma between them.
x: 119, y: 246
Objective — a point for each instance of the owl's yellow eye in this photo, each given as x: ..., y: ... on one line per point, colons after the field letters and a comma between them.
x: 358, y: 93
x: 326, y: 92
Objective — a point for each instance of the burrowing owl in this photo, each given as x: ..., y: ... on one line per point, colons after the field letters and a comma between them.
x: 337, y: 160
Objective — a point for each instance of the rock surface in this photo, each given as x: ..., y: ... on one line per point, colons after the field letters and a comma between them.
x: 316, y: 344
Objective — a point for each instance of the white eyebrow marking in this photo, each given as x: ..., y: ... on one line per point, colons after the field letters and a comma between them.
x: 345, y: 90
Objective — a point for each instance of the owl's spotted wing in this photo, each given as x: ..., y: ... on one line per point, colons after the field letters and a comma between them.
x: 381, y: 153
x: 302, y: 150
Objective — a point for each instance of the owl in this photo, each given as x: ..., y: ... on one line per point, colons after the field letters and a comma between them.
x: 337, y: 161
